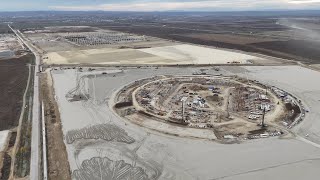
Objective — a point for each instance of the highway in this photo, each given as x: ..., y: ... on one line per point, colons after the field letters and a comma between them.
x: 36, y: 113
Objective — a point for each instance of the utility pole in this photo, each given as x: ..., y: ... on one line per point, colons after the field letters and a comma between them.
x: 182, y: 111
x: 262, y: 121
x: 228, y: 114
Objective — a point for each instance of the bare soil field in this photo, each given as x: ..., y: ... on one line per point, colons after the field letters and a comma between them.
x: 230, y: 38
x: 13, y: 78
x: 112, y: 56
x: 176, y: 54
x: 275, y: 46
x: 308, y: 51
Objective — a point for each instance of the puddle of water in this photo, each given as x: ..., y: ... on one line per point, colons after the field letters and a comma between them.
x: 6, y: 54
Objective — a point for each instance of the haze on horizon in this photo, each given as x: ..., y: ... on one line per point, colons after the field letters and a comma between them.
x: 160, y: 5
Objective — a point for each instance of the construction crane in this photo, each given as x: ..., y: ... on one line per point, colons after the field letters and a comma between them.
x: 262, y: 120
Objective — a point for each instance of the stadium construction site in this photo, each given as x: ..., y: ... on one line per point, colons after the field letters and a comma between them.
x: 229, y: 106
x: 133, y: 110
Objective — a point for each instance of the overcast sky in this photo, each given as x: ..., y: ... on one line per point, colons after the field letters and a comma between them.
x: 158, y: 5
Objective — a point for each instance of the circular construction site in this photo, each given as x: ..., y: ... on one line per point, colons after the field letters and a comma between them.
x: 209, y: 107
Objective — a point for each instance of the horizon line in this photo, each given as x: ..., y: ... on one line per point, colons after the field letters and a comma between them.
x: 213, y: 11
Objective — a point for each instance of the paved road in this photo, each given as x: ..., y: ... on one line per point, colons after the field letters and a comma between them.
x: 35, y: 137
